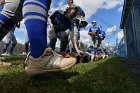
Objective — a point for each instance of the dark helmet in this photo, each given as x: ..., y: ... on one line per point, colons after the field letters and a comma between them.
x: 83, y: 24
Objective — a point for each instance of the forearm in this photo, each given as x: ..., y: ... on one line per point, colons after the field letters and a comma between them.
x: 51, y: 25
x: 50, y: 22
x: 74, y: 40
x: 92, y: 33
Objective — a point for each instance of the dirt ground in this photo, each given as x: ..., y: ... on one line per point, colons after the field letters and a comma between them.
x: 133, y: 64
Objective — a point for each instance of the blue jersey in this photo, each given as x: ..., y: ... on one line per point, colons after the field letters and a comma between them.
x: 1, y: 7
x: 59, y: 21
x: 102, y: 34
x: 94, y: 29
x: 80, y: 11
x: 90, y: 49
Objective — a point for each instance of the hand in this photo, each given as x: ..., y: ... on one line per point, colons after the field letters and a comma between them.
x: 52, y: 30
x: 94, y: 33
x: 79, y: 52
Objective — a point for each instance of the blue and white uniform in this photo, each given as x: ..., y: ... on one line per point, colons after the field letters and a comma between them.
x: 35, y: 13
x: 9, y: 39
x: 91, y: 52
x: 95, y: 38
x: 102, y: 35
x: 90, y: 49
x: 95, y: 29
x: 59, y: 21
x: 10, y: 14
x: 61, y: 24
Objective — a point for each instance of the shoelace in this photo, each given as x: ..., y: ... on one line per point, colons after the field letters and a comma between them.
x: 26, y: 60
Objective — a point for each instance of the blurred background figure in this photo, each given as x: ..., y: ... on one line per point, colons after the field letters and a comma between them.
x: 9, y: 39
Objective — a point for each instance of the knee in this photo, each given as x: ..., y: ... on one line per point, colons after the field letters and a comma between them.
x: 64, y: 35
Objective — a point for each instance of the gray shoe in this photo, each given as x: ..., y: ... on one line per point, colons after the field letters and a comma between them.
x: 48, y: 62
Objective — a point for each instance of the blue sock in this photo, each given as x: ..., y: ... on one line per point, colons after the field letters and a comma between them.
x: 36, y: 27
x: 5, y: 48
x: 12, y: 48
x: 37, y: 37
x: 95, y: 51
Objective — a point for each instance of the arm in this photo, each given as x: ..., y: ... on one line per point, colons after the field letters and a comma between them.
x: 104, y: 36
x: 50, y: 22
x: 51, y: 25
x: 91, y: 33
x: 74, y: 41
x: 73, y: 36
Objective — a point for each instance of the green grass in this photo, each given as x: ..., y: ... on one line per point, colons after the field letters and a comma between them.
x: 104, y: 76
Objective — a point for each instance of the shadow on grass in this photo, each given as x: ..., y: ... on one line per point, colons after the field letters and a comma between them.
x: 20, y: 82
x: 54, y: 75
x: 14, y: 59
x: 108, y: 77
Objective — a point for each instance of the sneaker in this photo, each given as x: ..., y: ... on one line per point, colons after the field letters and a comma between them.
x: 91, y: 55
x: 103, y: 56
x: 4, y: 64
x: 5, y: 54
x: 50, y: 61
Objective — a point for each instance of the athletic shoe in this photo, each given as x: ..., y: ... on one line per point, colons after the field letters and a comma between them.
x: 50, y: 61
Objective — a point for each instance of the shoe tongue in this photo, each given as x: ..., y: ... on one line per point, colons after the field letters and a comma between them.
x: 48, y: 52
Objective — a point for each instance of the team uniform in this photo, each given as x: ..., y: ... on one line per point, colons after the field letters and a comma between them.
x: 9, y: 39
x: 61, y: 24
x: 34, y: 10
x: 101, y: 37
x: 41, y: 59
x: 95, y: 38
x: 91, y: 52
x: 10, y: 15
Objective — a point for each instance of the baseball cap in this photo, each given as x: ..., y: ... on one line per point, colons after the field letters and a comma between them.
x: 93, y: 22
